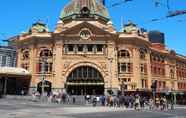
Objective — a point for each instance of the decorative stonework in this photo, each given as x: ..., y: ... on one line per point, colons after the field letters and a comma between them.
x: 78, y: 64
x: 85, y: 34
x: 92, y: 42
x: 103, y: 65
x: 67, y: 64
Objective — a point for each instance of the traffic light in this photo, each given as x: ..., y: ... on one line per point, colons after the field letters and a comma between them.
x: 154, y: 85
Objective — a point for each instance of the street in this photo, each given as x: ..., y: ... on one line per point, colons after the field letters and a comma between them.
x: 27, y: 109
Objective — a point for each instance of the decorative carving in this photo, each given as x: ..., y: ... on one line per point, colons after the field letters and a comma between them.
x: 66, y: 64
x: 85, y: 34
x: 103, y: 65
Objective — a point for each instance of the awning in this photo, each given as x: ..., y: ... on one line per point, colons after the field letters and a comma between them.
x: 14, y: 71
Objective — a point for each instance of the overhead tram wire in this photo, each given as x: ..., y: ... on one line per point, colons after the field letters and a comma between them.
x: 121, y: 2
x: 158, y: 3
x: 170, y: 14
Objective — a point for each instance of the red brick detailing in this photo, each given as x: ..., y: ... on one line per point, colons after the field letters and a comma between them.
x: 158, y: 46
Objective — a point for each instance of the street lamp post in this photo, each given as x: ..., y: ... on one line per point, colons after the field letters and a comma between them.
x: 43, y: 75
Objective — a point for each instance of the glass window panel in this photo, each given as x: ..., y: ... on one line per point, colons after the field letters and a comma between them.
x: 3, y: 61
x: 80, y: 48
x: 99, y: 48
x: 70, y: 48
x: 90, y: 48
x: 123, y: 67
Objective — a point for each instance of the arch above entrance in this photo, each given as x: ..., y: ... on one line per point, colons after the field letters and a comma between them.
x: 79, y: 64
x: 47, y: 86
x: 84, y: 80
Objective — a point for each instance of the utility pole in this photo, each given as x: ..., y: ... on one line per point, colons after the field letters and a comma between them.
x: 43, y: 74
x: 154, y: 88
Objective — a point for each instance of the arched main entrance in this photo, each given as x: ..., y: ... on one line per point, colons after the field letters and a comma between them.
x: 47, y: 86
x: 85, y: 80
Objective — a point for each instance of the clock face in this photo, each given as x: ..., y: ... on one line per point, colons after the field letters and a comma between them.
x: 85, y: 34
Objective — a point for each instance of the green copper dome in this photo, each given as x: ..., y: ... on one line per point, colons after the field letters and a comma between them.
x: 90, y: 7
x: 39, y: 27
x: 130, y: 27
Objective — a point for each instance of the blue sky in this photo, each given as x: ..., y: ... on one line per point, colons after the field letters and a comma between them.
x: 18, y: 15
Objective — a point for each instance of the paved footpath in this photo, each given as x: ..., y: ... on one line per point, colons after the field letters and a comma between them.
x: 28, y: 109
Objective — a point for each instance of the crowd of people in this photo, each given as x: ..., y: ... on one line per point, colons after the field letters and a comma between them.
x: 136, y: 102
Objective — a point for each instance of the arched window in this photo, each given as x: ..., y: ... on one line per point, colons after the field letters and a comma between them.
x: 26, y: 54
x: 143, y: 52
x: 172, y: 73
x: 124, y: 54
x: 142, y: 55
x: 44, y: 65
x: 46, y: 53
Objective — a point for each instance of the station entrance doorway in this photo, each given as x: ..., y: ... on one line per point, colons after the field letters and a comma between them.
x: 85, y: 80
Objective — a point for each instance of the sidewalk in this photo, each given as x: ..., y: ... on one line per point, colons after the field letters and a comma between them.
x: 17, y: 97
x: 180, y: 106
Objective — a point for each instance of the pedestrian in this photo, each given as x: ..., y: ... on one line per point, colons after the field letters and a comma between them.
x: 137, y: 103
x: 73, y: 100
x: 157, y: 102
x: 151, y: 104
x: 103, y: 100
x: 164, y: 103
x: 22, y: 92
x: 34, y: 99
x: 94, y: 101
x: 142, y: 102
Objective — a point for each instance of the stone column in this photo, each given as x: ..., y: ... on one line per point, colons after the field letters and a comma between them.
x: 136, y: 67
x: 149, y: 70
x: 58, y: 82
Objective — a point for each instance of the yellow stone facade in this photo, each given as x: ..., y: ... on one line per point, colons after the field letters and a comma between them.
x: 126, y: 60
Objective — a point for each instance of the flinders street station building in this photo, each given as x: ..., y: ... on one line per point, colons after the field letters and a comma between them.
x: 86, y: 55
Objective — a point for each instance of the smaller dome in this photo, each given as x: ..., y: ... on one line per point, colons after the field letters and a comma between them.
x: 38, y: 27
x: 130, y: 27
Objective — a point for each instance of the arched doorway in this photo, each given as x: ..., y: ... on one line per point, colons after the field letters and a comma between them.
x: 47, y: 86
x: 85, y: 80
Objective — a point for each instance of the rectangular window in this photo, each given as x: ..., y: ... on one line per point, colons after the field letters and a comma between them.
x: 0, y: 60
x: 50, y: 67
x: 142, y: 68
x: 90, y: 48
x: 3, y: 61
x: 70, y: 48
x: 99, y: 48
x: 123, y: 67
x: 142, y: 83
x: 46, y: 67
x: 80, y: 48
